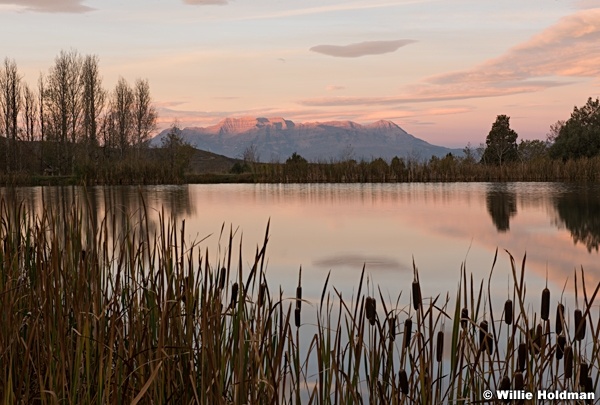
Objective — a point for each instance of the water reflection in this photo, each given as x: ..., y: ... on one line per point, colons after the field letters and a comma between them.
x: 579, y: 212
x: 501, y: 202
x: 113, y: 210
x: 340, y: 227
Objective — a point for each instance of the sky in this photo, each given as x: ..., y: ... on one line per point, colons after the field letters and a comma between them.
x: 442, y: 70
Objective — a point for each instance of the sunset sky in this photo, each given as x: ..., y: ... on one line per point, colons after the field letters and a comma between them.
x: 442, y: 70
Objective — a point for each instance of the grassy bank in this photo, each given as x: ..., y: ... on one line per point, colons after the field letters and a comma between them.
x: 95, y: 314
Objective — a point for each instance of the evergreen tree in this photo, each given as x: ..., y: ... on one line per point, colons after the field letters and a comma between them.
x: 501, y: 143
x: 580, y: 134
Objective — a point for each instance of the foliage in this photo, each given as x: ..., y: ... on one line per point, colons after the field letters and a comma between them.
x: 530, y: 150
x: 177, y: 152
x: 295, y: 159
x: 580, y: 135
x: 501, y: 143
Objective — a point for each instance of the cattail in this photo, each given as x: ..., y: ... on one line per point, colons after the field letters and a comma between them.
x: 261, y: 294
x: 485, y: 339
x: 299, y: 291
x: 403, y: 382
x: 505, y: 385
x: 560, y: 318
x: 483, y: 328
x: 537, y: 340
x: 583, y: 374
x: 489, y: 344
x: 464, y: 318
x: 299, y: 297
x: 589, y: 385
x: 416, y: 294
x: 545, y: 304
x: 222, y: 278
x: 560, y: 346
x: 521, y: 356
x: 234, y: 295
x: 508, y: 312
x: 297, y: 317
x: 370, y: 310
x: 392, y: 322
x: 579, y: 325
x: 519, y: 380
x: 407, y: 332
x: 568, y: 362
x: 439, y: 346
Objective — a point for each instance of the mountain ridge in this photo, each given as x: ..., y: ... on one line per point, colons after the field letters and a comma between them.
x: 276, y: 138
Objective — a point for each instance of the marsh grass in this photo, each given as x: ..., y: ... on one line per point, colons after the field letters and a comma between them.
x: 142, y: 315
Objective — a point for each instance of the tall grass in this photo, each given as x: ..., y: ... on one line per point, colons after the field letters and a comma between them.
x: 93, y: 315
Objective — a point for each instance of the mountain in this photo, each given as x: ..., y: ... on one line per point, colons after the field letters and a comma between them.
x: 275, y: 139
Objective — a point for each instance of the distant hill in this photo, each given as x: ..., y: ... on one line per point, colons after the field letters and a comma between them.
x: 275, y: 139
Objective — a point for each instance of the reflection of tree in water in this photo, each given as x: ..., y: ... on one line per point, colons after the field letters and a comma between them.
x: 580, y: 214
x: 501, y: 205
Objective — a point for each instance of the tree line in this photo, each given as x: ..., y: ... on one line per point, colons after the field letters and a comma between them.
x: 68, y: 120
x: 571, y: 152
x: 573, y: 139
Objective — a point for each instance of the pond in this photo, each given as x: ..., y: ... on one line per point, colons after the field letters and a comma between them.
x: 338, y: 228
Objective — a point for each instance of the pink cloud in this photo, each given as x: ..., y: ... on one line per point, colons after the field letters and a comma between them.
x: 205, y: 2
x: 361, y: 48
x: 50, y: 6
x: 564, y: 51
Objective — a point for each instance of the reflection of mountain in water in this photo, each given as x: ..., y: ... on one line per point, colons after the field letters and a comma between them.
x: 580, y: 214
x: 501, y: 204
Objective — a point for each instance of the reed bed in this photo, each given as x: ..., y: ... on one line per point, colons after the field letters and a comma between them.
x: 142, y: 315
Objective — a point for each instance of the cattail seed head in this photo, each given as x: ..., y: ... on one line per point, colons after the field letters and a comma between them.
x: 537, y: 340
x: 568, y: 362
x: 416, y: 295
x: 439, y: 353
x: 583, y: 374
x: 519, y: 380
x: 579, y: 325
x: 505, y: 386
x: 521, y: 356
x: 485, y: 339
x: 464, y: 317
x: 222, y: 278
x: 489, y: 344
x: 560, y: 318
x: 545, y: 304
x: 299, y: 297
x: 508, y: 312
x: 234, y: 295
x: 483, y: 328
x: 561, y: 341
x: 407, y: 332
x: 261, y: 294
x: 297, y: 317
x: 403, y: 382
x: 589, y: 385
x: 370, y: 310
x: 392, y: 322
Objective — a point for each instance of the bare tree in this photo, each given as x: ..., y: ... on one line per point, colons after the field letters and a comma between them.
x: 93, y: 99
x: 29, y: 112
x: 144, y: 114
x: 121, y: 113
x: 63, y: 102
x: 10, y: 103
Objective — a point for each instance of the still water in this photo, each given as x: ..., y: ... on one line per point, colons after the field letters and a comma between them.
x: 340, y: 227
